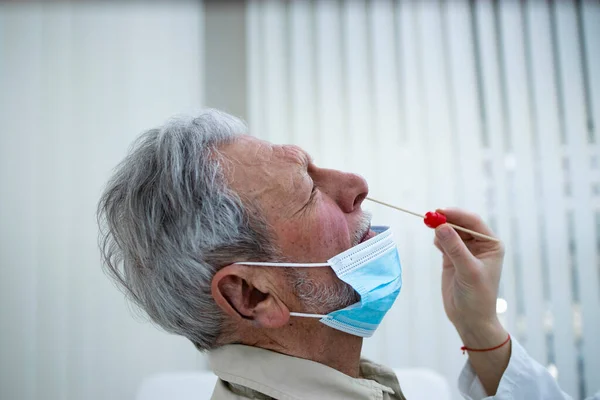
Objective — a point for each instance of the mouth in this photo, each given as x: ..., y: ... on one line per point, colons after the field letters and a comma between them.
x: 367, y: 235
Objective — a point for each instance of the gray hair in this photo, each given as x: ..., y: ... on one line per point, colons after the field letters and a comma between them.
x: 169, y: 221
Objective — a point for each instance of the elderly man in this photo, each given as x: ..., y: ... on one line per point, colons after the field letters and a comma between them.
x: 197, y: 201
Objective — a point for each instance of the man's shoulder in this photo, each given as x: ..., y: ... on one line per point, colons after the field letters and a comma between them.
x: 228, y: 391
x: 369, y: 369
x: 381, y: 374
x: 251, y: 372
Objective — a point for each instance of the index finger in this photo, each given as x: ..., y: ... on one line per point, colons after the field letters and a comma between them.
x: 466, y: 219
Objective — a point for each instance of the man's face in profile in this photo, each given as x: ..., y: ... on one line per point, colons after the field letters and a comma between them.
x: 314, y: 213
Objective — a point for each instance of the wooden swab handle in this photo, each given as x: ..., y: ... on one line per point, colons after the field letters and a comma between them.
x: 471, y: 232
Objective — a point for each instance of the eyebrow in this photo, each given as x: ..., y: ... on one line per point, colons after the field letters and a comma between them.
x: 296, y: 153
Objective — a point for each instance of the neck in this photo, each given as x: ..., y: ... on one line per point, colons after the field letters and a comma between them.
x: 318, y: 343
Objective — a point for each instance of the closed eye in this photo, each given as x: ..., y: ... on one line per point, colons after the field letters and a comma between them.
x: 313, y: 193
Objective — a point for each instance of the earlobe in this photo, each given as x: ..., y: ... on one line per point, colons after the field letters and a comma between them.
x: 243, y: 292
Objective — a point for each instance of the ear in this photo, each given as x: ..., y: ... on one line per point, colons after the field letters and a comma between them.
x: 243, y: 291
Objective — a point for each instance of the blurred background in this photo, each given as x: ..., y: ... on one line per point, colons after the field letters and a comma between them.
x: 489, y: 105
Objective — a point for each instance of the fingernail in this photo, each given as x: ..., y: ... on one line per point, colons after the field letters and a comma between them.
x: 443, y: 231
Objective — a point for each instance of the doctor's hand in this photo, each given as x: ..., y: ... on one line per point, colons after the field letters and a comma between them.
x: 470, y: 278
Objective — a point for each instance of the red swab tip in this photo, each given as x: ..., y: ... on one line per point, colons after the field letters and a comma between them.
x: 434, y: 219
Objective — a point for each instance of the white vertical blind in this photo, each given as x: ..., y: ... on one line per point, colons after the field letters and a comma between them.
x: 522, y: 187
x: 491, y: 106
x: 302, y: 80
x: 487, y: 105
x: 576, y: 124
x: 558, y: 308
x: 77, y: 83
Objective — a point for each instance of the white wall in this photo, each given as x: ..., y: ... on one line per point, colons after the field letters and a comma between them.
x: 77, y: 84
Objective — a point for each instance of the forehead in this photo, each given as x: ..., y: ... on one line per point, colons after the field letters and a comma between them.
x: 273, y: 175
x: 251, y: 151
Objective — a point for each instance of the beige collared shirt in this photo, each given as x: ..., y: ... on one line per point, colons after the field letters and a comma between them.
x: 247, y: 372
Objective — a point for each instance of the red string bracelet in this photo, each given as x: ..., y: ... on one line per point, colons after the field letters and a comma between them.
x: 465, y: 348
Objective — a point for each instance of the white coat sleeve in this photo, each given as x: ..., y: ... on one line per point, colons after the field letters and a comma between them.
x: 524, y: 379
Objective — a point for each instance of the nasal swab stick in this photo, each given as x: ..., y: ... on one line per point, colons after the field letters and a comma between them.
x: 460, y: 228
x: 397, y: 208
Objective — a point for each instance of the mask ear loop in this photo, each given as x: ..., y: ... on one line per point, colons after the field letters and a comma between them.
x: 291, y: 265
x: 299, y: 314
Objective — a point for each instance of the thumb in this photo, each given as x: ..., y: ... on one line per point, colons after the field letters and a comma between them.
x: 454, y: 247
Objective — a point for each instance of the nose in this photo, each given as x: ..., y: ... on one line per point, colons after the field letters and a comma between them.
x: 348, y: 190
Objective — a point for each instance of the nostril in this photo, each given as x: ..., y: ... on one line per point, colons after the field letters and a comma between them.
x: 359, y: 199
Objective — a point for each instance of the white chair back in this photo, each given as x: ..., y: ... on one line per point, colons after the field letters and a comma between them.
x: 423, y: 384
x: 178, y: 386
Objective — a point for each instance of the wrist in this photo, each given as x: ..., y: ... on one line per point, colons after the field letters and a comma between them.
x: 489, y: 352
x: 486, y: 334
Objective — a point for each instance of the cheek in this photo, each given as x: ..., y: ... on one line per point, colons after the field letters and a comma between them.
x: 332, y: 229
x: 318, y: 236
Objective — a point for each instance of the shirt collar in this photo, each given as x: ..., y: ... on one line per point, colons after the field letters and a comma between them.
x: 286, y: 377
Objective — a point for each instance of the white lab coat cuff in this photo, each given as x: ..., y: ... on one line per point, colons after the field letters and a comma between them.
x: 523, y: 379
x: 518, y: 366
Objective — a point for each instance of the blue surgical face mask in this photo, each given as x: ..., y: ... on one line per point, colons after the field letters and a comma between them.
x: 373, y: 269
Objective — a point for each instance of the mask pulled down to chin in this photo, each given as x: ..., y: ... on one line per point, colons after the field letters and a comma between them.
x: 373, y: 270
